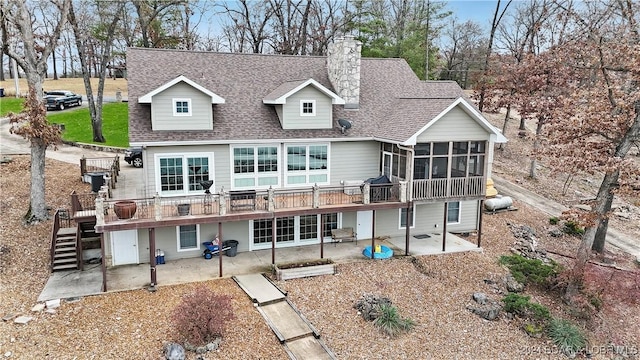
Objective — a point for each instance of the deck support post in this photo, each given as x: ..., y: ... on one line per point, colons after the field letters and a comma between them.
x: 321, y: 236
x: 373, y: 235
x: 444, y: 226
x: 220, y: 248
x: 152, y: 259
x: 102, y: 265
x: 408, y: 228
x: 480, y: 221
x: 273, y: 241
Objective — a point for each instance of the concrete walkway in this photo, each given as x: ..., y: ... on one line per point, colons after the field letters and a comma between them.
x: 300, y: 338
x: 616, y: 238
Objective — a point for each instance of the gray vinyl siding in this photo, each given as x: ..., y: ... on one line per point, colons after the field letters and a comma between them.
x: 456, y: 125
x: 221, y: 164
x: 354, y: 161
x: 426, y: 218
x: 291, y: 110
x: 279, y: 113
x: 162, y: 109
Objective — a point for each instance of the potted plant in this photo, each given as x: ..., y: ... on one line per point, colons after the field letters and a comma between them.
x: 183, y: 209
x: 125, y: 209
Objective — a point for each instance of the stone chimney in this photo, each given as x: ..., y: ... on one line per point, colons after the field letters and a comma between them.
x: 343, y: 66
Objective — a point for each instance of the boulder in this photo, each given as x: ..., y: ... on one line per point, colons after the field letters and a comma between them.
x: 173, y: 351
x: 480, y: 298
x: 512, y: 284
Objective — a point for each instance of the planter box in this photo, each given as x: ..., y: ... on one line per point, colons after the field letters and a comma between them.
x: 304, y: 269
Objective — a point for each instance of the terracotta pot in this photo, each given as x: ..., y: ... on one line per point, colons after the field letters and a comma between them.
x: 125, y: 209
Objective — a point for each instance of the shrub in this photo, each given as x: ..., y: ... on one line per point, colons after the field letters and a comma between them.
x: 573, y: 228
x: 390, y: 322
x: 529, y: 270
x: 554, y: 220
x: 521, y: 306
x: 567, y: 337
x: 202, y: 316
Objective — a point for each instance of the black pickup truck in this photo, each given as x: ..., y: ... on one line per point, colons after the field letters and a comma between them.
x: 61, y: 99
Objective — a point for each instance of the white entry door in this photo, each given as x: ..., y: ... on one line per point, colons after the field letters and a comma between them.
x: 365, y: 221
x: 124, y: 247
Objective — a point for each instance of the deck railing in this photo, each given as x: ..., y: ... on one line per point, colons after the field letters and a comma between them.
x: 225, y: 203
x: 448, y: 188
x: 108, y: 165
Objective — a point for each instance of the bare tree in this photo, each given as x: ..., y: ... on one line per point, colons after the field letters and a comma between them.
x: 249, y: 23
x: 461, y: 51
x: 497, y: 17
x: 31, y: 51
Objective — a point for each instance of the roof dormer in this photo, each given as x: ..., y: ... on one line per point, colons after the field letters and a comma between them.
x: 303, y: 104
x: 181, y: 104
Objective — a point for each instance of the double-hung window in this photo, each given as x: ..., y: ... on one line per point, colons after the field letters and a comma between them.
x: 255, y: 166
x: 181, y: 107
x: 188, y: 237
x: 181, y: 174
x: 403, y: 217
x: 307, y: 164
x: 453, y: 212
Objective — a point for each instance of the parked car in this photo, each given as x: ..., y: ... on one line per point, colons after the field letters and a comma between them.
x: 61, y: 99
x: 134, y: 156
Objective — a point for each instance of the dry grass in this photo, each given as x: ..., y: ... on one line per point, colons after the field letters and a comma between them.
x: 72, y: 84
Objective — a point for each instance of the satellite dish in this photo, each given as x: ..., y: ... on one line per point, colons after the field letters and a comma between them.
x: 344, y: 125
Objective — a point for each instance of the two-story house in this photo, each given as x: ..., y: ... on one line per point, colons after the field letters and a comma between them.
x: 287, y: 144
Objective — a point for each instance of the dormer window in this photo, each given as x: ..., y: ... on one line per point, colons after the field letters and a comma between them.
x: 307, y: 108
x: 181, y: 107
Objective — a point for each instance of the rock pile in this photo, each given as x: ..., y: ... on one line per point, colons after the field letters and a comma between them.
x: 526, y: 244
x: 485, y: 307
x: 369, y: 306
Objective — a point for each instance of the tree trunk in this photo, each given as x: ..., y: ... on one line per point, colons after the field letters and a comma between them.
x: 38, y: 207
x: 55, y: 67
x: 536, y: 146
x: 523, y: 124
x: 2, y: 66
x: 601, y: 233
x: 504, y: 125
x: 603, y: 202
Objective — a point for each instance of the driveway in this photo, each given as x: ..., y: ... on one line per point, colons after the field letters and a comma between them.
x: 616, y: 238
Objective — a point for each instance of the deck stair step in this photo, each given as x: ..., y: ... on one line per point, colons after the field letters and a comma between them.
x: 65, y: 267
x: 64, y: 260
x: 67, y: 231
x: 65, y: 251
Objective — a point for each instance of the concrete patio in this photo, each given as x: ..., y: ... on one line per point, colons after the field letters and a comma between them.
x: 76, y: 283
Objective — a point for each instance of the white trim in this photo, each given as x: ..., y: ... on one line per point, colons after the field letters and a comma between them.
x: 185, y: 172
x: 174, y: 101
x: 413, y: 222
x: 296, y: 241
x: 146, y: 98
x: 335, y: 99
x: 307, y: 172
x: 197, y: 248
x: 471, y: 111
x: 459, y: 213
x: 255, y: 141
x: 255, y: 175
x: 313, y: 107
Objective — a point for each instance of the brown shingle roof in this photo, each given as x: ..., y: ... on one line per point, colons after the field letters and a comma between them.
x: 394, y: 103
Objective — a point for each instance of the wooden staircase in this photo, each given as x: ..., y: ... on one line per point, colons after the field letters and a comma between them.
x: 66, y: 243
x: 65, y: 250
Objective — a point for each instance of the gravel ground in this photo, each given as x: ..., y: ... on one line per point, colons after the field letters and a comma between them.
x: 434, y: 291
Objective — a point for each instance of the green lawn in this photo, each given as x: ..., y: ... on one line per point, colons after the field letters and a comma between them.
x: 77, y: 123
x: 8, y: 105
